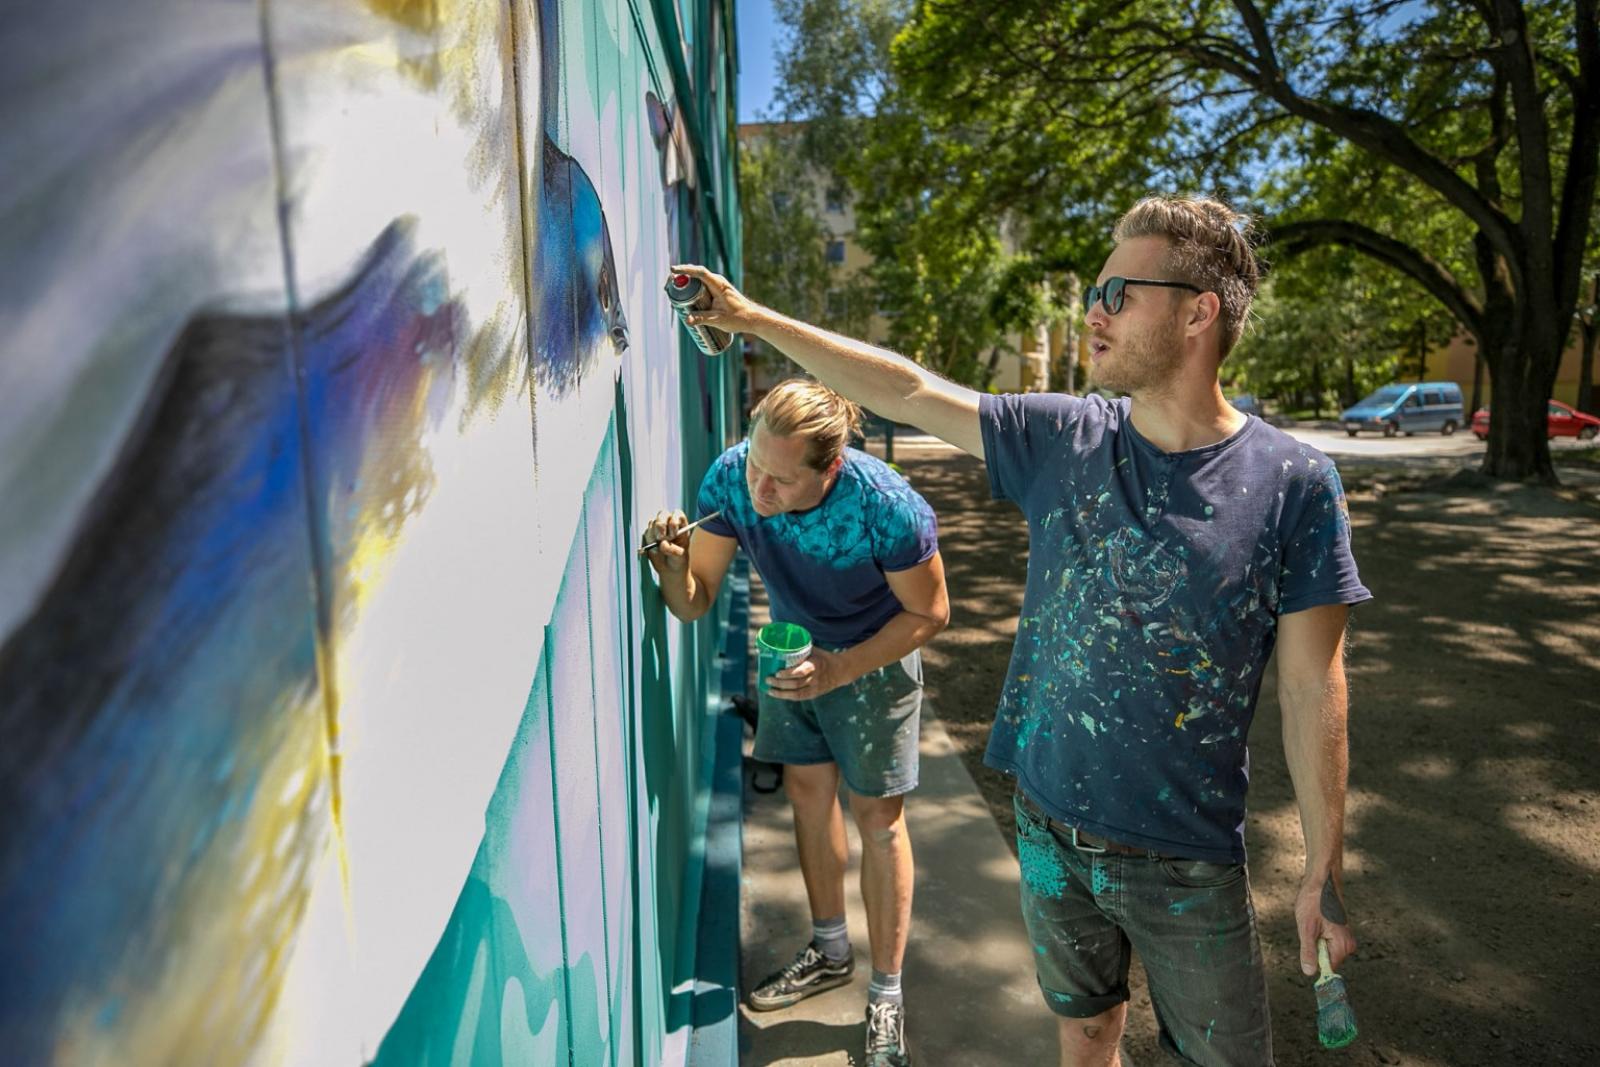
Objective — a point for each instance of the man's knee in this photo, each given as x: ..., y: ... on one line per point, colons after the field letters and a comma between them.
x: 1092, y: 1042
x: 811, y: 788
x: 881, y: 820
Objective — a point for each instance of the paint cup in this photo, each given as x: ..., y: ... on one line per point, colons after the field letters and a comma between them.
x: 779, y: 646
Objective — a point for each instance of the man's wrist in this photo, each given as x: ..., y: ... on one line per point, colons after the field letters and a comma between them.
x: 759, y: 323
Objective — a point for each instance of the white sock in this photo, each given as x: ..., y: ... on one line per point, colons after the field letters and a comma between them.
x: 884, y: 987
x: 832, y: 937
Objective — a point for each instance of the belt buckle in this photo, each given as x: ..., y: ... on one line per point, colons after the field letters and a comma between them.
x: 1085, y: 847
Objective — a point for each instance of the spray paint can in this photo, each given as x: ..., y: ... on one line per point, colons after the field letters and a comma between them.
x: 688, y: 293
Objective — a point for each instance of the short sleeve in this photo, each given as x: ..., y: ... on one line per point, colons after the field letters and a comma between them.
x: 906, y: 532
x: 715, y: 494
x: 1021, y: 432
x: 1318, y: 565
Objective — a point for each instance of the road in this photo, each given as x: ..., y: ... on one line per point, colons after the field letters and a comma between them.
x: 1375, y: 447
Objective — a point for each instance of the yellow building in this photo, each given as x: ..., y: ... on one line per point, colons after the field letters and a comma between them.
x: 1454, y: 363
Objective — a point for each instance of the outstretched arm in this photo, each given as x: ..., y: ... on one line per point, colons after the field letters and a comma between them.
x: 1311, y: 691
x: 889, y: 384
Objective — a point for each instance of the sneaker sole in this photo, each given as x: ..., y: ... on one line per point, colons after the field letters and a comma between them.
x: 821, y: 985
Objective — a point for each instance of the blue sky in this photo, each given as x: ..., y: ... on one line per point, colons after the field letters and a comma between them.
x: 757, y: 36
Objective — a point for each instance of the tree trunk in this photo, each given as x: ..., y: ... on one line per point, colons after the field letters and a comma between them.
x: 1589, y: 335
x: 1588, y: 341
x: 1522, y: 369
x: 1477, y: 379
x: 1316, y: 386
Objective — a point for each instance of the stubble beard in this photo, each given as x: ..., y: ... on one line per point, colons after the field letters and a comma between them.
x: 1139, y: 360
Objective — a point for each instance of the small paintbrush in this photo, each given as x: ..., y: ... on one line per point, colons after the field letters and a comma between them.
x: 1336, y: 1020
x: 704, y: 518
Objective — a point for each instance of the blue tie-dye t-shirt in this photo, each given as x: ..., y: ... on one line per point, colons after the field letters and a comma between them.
x: 824, y: 567
x: 1155, y: 583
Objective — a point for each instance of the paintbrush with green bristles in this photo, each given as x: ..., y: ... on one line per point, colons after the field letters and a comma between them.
x: 1336, y: 1020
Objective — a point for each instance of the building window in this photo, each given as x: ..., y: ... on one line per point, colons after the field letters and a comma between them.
x: 835, y: 251
x: 835, y: 199
x: 835, y: 304
x: 780, y: 200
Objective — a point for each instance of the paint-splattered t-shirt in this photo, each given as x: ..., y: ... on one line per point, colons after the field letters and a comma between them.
x: 1155, y: 583
x: 824, y: 567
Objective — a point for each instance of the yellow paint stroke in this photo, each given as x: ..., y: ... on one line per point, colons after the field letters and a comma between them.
x: 228, y: 929
x: 1178, y: 722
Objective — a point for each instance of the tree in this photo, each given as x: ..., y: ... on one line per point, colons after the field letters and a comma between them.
x: 1588, y: 316
x: 1479, y: 121
x: 940, y: 276
x: 784, y: 237
x: 1328, y: 328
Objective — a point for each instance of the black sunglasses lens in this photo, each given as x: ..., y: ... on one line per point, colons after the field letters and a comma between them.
x: 1115, y: 288
x: 1090, y: 295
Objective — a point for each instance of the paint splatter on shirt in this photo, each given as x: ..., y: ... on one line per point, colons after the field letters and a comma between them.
x: 824, y: 567
x: 1155, y: 583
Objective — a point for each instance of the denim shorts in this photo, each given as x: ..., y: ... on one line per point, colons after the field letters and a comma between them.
x: 1190, y: 920
x: 869, y: 728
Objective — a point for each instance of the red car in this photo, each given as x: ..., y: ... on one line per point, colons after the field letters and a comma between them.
x: 1563, y: 421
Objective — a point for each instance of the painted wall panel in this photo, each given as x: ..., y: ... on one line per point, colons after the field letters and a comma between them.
x: 338, y: 720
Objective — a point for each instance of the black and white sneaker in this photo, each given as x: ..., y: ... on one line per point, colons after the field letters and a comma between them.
x: 809, y: 974
x: 886, y: 1035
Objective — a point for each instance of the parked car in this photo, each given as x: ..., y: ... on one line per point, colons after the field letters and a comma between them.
x: 1407, y: 407
x: 1562, y: 420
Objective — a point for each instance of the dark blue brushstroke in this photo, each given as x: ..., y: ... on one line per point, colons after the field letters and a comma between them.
x: 142, y: 700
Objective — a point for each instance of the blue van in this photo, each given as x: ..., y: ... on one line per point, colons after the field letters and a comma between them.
x: 1407, y: 407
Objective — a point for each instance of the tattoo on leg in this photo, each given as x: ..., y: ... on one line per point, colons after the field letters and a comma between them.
x: 1332, y: 906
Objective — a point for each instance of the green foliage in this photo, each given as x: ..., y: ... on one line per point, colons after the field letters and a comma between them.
x: 941, y: 276
x: 1329, y: 327
x: 784, y: 237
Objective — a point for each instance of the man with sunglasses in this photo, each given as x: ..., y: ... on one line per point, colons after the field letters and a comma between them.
x: 1174, y: 541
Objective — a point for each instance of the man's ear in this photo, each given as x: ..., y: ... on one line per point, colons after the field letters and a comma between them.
x: 1207, y: 310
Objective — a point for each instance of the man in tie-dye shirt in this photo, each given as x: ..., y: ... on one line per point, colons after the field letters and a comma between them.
x: 847, y: 549
x: 1173, y: 544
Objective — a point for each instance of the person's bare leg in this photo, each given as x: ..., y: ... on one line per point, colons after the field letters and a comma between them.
x: 1093, y: 1042
x: 887, y: 877
x: 813, y: 792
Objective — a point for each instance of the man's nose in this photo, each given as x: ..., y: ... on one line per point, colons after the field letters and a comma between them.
x: 1096, y: 316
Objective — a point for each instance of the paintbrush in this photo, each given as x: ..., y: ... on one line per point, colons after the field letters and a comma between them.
x: 1336, y: 1020
x: 704, y: 518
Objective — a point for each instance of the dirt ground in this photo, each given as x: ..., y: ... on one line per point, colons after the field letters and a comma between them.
x: 1473, y: 837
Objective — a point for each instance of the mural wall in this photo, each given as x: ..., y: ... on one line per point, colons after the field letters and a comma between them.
x: 338, y: 722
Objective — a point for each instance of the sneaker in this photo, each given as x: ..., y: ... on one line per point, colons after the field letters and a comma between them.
x: 886, y: 1035
x: 810, y: 973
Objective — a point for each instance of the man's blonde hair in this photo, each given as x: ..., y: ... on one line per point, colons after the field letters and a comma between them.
x: 804, y: 407
x: 1210, y: 248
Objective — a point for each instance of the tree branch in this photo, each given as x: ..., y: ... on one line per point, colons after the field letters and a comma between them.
x: 1583, y: 160
x: 1296, y: 237
x: 1515, y: 57
x: 1379, y: 135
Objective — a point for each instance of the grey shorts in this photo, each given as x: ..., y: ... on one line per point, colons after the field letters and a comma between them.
x: 1190, y: 920
x: 869, y: 728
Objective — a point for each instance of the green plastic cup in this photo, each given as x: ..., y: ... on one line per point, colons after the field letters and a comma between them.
x: 779, y: 646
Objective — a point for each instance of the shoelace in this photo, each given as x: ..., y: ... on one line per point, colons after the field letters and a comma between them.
x: 883, y: 1035
x: 808, y: 957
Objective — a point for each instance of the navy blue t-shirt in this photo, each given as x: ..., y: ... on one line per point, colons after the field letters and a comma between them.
x: 824, y: 567
x: 1155, y: 583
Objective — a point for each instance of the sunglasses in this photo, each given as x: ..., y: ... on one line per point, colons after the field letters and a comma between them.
x: 1111, y: 293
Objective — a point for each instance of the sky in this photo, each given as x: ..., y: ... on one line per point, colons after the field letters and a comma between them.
x: 757, y: 36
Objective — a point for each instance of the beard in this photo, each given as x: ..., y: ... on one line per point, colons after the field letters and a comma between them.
x: 1141, y: 358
